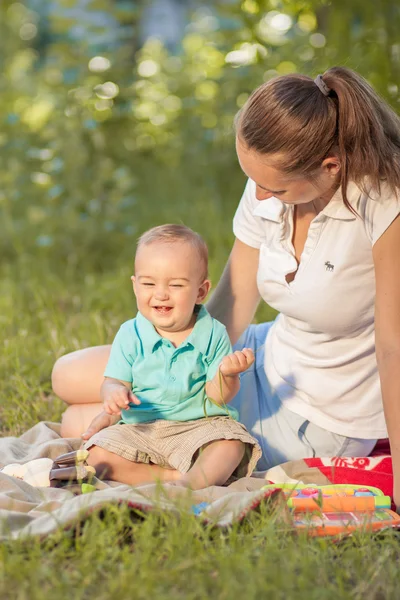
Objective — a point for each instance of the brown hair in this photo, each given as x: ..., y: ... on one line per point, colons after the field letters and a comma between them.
x: 170, y: 233
x: 290, y: 115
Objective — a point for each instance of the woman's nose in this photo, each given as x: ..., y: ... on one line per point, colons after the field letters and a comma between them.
x: 263, y: 195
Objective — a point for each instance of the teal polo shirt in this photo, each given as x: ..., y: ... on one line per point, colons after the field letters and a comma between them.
x: 169, y: 382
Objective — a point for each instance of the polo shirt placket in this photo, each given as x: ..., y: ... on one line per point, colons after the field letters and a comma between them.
x: 169, y: 355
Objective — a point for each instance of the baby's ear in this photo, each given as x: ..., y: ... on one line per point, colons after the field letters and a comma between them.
x: 203, y: 290
x: 133, y: 279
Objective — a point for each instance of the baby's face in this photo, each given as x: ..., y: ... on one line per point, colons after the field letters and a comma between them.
x: 168, y: 283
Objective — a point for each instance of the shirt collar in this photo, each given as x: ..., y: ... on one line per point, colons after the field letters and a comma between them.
x: 198, y: 338
x: 273, y: 209
x: 148, y: 335
x: 336, y: 208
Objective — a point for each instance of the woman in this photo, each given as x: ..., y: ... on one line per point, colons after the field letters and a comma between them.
x: 318, y: 238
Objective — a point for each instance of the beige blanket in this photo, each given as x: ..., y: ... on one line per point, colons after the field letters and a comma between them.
x: 25, y: 510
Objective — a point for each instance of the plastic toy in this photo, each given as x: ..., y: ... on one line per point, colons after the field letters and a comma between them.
x: 67, y: 470
x: 337, y: 509
x: 332, y: 497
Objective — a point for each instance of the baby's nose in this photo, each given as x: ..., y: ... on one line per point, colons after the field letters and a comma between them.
x: 161, y: 292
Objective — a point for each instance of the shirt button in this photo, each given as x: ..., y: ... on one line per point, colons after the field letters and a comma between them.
x: 172, y: 378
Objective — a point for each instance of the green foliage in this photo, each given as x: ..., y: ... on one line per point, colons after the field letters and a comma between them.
x: 95, y: 152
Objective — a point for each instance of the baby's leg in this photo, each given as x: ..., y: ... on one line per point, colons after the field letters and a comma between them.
x: 215, y: 465
x: 112, y: 466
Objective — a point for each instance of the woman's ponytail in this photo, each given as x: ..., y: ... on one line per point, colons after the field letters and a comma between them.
x: 304, y: 121
x: 368, y: 131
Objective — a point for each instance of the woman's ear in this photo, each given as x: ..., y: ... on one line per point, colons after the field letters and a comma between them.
x: 203, y: 291
x: 331, y: 166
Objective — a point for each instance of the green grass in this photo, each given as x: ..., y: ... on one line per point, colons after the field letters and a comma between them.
x: 45, y: 313
x: 116, y: 554
x: 74, y: 294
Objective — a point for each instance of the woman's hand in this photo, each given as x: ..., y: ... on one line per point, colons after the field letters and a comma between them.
x: 100, y: 422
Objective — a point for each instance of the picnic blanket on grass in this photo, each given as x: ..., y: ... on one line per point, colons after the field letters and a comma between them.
x: 30, y: 511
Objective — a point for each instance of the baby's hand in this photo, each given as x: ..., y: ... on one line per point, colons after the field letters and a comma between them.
x: 236, y: 363
x: 118, y: 398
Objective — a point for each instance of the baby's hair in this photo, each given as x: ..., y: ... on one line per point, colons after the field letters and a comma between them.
x: 170, y: 233
x: 290, y: 116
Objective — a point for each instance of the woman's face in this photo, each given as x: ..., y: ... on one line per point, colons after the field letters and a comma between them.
x: 271, y: 182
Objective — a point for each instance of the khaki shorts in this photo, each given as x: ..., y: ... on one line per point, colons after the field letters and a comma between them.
x: 176, y: 444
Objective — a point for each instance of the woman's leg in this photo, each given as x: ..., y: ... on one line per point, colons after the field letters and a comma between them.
x: 112, y: 466
x: 77, y: 376
x: 77, y: 418
x: 76, y: 379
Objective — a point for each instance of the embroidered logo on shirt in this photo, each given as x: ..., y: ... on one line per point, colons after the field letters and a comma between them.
x: 329, y: 266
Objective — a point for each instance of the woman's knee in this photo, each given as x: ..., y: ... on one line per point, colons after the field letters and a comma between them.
x: 59, y: 376
x: 77, y: 376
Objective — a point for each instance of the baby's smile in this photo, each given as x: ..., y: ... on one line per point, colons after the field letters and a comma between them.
x: 162, y: 310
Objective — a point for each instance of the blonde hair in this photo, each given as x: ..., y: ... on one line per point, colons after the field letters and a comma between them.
x: 289, y: 115
x: 170, y: 233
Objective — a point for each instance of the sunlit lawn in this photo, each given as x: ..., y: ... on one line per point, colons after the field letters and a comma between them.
x: 119, y: 556
x: 46, y: 312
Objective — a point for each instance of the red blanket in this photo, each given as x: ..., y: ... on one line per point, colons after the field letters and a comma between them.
x: 375, y: 470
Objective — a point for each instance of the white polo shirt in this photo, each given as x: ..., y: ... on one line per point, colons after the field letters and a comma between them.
x: 320, y: 351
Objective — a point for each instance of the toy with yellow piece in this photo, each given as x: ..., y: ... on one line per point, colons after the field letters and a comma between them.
x: 67, y: 470
x: 337, y: 509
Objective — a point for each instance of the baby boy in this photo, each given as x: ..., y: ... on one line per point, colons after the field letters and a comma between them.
x: 171, y: 376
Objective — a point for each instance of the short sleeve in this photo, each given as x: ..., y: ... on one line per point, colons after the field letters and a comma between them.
x: 221, y: 348
x: 380, y: 212
x: 123, y: 353
x: 247, y: 227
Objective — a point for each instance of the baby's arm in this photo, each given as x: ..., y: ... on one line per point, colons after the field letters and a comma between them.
x: 116, y: 389
x: 226, y: 382
x: 116, y: 395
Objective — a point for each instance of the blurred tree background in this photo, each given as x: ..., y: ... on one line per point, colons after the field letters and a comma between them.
x: 106, y: 130
x: 117, y: 116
